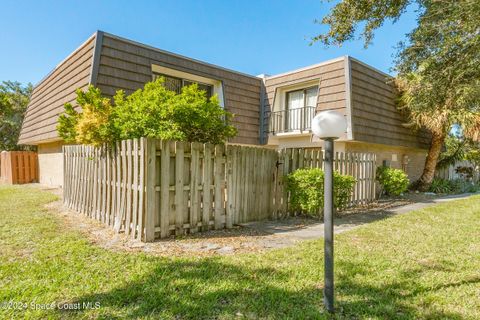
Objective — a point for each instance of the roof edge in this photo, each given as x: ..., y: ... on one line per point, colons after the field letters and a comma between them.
x: 370, y: 67
x: 306, y: 68
x: 97, y: 49
x: 66, y: 58
x: 146, y: 46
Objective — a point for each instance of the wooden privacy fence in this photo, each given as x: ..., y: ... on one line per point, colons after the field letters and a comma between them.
x: 18, y: 167
x: 153, y: 189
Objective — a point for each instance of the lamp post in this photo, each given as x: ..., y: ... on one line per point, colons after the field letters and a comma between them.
x: 328, y: 126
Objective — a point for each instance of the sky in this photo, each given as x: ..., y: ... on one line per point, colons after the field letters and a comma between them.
x: 254, y: 37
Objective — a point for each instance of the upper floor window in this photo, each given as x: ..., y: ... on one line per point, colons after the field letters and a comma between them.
x: 176, y: 84
x: 302, y: 98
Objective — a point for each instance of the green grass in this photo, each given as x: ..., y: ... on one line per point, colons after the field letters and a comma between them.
x: 424, y: 264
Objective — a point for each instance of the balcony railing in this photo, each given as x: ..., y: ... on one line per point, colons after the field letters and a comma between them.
x: 292, y: 120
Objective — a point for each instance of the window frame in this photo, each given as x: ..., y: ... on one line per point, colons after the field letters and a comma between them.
x: 286, y: 106
x: 304, y: 90
x: 209, y: 93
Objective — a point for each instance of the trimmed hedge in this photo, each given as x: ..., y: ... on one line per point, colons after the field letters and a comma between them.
x: 306, y: 190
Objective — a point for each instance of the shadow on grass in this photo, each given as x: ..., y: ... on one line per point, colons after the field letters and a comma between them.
x: 403, y: 297
x: 211, y: 288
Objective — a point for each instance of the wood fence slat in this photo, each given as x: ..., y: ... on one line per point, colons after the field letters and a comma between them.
x: 135, y: 188
x: 165, y: 190
x: 229, y: 210
x: 150, y: 192
x: 194, y: 181
x: 179, y: 186
x: 141, y: 196
x: 219, y: 181
x: 207, y: 184
x: 128, y: 211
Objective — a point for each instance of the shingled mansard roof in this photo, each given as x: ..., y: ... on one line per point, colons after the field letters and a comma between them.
x: 111, y: 63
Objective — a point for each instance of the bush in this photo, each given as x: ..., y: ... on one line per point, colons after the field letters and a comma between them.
x: 453, y: 186
x: 306, y: 190
x: 94, y: 125
x: 394, y: 182
x: 153, y: 112
x: 440, y: 186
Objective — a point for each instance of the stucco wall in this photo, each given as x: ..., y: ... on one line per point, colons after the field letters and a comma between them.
x: 50, y: 164
x: 413, y: 164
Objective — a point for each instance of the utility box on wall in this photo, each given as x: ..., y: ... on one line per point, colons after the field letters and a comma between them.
x: 18, y: 167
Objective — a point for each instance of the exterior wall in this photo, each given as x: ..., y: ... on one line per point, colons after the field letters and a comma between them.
x: 330, y: 78
x: 395, y: 155
x: 50, y: 164
x: 127, y: 65
x: 56, y: 89
x: 375, y: 118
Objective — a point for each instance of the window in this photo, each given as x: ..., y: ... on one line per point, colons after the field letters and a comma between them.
x: 176, y: 84
x: 302, y: 98
x: 300, y: 108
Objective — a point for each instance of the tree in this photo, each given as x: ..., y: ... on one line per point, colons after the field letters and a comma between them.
x: 94, y: 125
x: 160, y: 113
x: 14, y: 99
x: 153, y: 112
x: 438, y: 68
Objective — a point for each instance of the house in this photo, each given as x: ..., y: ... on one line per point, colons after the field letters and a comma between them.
x: 272, y: 110
x: 362, y: 93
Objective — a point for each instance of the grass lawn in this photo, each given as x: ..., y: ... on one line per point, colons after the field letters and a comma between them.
x: 425, y: 264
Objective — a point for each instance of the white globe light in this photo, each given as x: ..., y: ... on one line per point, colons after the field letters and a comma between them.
x: 329, y: 124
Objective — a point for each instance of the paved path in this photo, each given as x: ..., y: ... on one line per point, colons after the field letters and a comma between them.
x: 288, y: 232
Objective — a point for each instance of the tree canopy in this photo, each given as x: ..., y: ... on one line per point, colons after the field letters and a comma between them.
x: 438, y: 66
x: 14, y: 98
x: 153, y: 112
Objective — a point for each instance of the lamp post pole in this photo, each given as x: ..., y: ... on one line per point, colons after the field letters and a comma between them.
x: 328, y: 126
x: 328, y: 225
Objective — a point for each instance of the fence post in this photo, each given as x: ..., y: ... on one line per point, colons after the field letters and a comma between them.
x: 150, y: 174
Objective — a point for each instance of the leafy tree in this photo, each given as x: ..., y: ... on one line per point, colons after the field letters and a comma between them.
x: 438, y: 68
x: 160, y: 113
x: 201, y: 119
x: 153, y: 111
x: 93, y: 125
x: 14, y: 99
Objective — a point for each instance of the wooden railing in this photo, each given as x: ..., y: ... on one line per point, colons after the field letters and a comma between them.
x: 18, y: 167
x: 153, y: 189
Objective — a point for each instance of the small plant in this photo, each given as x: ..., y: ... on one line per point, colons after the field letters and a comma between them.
x: 440, y: 186
x: 454, y: 186
x: 394, y: 182
x: 306, y: 190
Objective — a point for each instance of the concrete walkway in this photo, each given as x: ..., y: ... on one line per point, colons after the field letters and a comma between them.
x: 289, y: 231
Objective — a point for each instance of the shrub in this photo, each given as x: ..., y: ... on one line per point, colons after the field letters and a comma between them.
x: 153, y: 111
x: 306, y: 190
x: 393, y: 181
x: 440, y: 186
x: 94, y: 125
x: 454, y: 186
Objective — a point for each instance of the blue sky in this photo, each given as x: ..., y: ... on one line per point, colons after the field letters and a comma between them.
x: 249, y: 36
